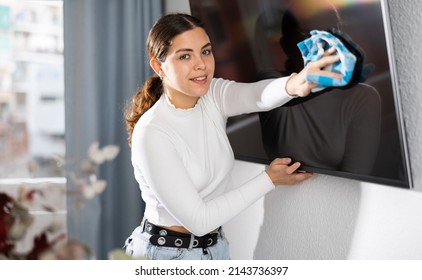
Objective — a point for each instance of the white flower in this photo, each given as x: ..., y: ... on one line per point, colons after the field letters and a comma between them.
x: 18, y: 231
x: 119, y: 254
x: 97, y: 187
x: 99, y: 156
x: 87, y: 167
x: 26, y: 196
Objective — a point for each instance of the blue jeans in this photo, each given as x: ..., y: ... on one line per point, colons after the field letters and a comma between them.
x: 138, y: 245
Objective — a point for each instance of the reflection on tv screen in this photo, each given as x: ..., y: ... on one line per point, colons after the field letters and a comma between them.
x: 352, y: 131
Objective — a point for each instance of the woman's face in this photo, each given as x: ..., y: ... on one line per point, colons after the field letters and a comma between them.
x: 189, y: 68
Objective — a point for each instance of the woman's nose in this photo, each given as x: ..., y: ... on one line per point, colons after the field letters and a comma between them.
x: 200, y: 64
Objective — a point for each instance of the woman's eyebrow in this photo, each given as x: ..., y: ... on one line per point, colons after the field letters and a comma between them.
x: 206, y: 45
x: 191, y: 50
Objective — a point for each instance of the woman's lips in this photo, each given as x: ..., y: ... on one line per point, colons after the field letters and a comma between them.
x: 200, y: 79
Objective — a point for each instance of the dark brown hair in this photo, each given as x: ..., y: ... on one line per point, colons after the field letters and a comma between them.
x: 158, y: 43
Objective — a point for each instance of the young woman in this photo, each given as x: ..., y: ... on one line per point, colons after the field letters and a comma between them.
x: 181, y: 155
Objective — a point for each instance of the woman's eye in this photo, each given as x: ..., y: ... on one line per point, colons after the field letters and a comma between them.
x: 206, y: 52
x: 184, y: 57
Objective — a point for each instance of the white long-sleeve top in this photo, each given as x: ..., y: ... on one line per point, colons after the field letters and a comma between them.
x: 183, y: 160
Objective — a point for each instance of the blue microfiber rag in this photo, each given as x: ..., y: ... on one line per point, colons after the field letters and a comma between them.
x: 313, y: 49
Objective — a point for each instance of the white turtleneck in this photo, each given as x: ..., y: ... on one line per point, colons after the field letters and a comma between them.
x: 183, y: 161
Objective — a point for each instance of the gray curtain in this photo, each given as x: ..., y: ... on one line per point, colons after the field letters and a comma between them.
x: 105, y: 62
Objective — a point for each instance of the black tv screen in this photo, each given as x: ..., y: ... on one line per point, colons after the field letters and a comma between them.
x: 353, y: 131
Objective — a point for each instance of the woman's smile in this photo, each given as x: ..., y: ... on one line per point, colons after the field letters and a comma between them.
x: 200, y: 80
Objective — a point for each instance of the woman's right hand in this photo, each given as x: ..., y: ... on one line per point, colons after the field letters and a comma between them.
x: 297, y: 85
x: 283, y: 172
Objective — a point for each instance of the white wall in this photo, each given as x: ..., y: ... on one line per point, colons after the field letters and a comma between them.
x: 332, y: 218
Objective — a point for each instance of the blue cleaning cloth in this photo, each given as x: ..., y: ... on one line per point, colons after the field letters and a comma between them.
x: 313, y: 49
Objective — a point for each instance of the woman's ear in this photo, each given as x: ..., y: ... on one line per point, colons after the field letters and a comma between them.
x: 156, y: 66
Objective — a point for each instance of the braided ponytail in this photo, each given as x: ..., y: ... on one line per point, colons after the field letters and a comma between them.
x: 143, y: 99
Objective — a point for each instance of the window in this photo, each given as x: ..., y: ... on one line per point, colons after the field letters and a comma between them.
x: 32, y: 123
x: 31, y: 88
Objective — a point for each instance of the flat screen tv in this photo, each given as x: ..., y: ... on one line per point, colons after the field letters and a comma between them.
x: 354, y: 131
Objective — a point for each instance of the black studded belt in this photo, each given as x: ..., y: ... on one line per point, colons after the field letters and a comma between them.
x: 169, y: 238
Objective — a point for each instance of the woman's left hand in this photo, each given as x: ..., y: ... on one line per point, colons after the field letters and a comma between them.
x: 297, y: 85
x: 282, y: 171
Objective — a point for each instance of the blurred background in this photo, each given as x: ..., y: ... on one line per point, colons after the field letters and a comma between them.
x: 99, y: 64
